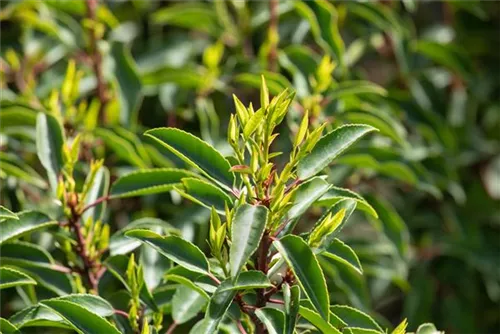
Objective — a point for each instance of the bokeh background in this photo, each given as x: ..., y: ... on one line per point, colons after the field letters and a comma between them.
x: 425, y: 73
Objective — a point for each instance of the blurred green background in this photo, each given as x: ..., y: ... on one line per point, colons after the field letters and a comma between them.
x: 425, y: 73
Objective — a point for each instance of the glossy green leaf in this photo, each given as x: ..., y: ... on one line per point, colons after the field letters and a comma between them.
x: 98, y: 189
x: 392, y: 224
x: 196, y: 153
x: 336, y: 194
x: 329, y: 147
x: 248, y: 226
x: 92, y: 303
x: 254, y: 122
x: 121, y: 147
x: 6, y: 213
x: 306, y: 268
x: 186, y: 282
x: 217, y: 307
x: 252, y: 279
x: 147, y: 182
x: 272, y: 318
x: 342, y: 253
x: 348, y: 88
x: 38, y: 316
x: 27, y: 222
x: 8, y: 328
x: 348, y: 205
x: 13, y: 166
x: 10, y: 277
x: 205, y: 194
x: 315, y: 319
x: 174, y: 248
x: 49, y: 146
x: 129, y: 83
x: 355, y: 318
x: 291, y: 296
x: 82, y: 320
x: 186, y: 304
x: 307, y: 194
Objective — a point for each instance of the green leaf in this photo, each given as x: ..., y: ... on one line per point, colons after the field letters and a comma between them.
x: 427, y: 328
x: 49, y: 146
x: 205, y: 194
x: 253, y: 123
x: 6, y: 213
x: 329, y: 147
x: 355, y: 87
x: 247, y: 229
x: 274, y: 319
x: 147, y: 182
x: 99, y: 188
x: 342, y: 253
x: 355, y: 318
x: 291, y: 295
x: 27, y: 222
x: 306, y: 268
x: 92, y: 303
x: 252, y: 279
x: 38, y: 316
x: 336, y: 194
x: 12, y: 165
x: 349, y: 205
x: 121, y: 147
x: 7, y: 328
x: 217, y: 308
x: 174, y: 248
x: 392, y: 225
x: 82, y: 320
x: 306, y: 194
x: 10, y: 277
x: 186, y: 282
x: 447, y: 55
x: 316, y: 320
x: 276, y: 82
x: 129, y: 83
x: 196, y: 153
x: 186, y: 304
x: 120, y: 244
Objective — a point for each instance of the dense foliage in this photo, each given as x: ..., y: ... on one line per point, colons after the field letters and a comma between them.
x: 249, y: 166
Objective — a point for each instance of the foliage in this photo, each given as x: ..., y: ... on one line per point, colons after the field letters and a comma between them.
x: 357, y: 185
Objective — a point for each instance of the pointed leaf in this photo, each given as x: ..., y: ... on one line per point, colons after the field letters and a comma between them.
x: 306, y: 194
x: 306, y: 268
x: 6, y: 213
x: 148, y: 181
x: 342, y: 253
x: 7, y: 328
x: 272, y: 318
x: 253, y: 123
x: 27, y: 222
x: 205, y: 194
x: 82, y: 320
x: 336, y: 194
x: 248, y: 227
x: 49, y: 146
x: 329, y: 147
x: 348, y: 205
x: 316, y: 320
x: 38, y: 316
x: 10, y: 277
x: 186, y: 282
x: 92, y: 303
x: 355, y: 318
x: 196, y: 153
x: 186, y: 304
x: 252, y: 279
x: 219, y: 303
x: 174, y: 248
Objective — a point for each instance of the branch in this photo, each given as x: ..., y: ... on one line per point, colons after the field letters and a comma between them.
x: 97, y: 202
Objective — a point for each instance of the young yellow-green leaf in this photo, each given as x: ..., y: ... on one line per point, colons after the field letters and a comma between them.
x: 49, y: 146
x: 247, y: 229
x: 8, y: 328
x: 6, y: 213
x: 304, y: 125
x: 305, y: 266
x: 205, y: 194
x: 252, y: 279
x: 186, y: 304
x: 148, y: 181
x: 219, y: 303
x: 344, y: 254
x: 355, y: 318
x: 38, y: 316
x: 174, y: 248
x: 253, y: 122
x: 264, y: 93
x: 401, y: 328
x: 81, y: 319
x: 196, y: 153
x: 329, y: 147
x: 10, y: 277
x: 336, y: 194
x: 272, y: 318
x: 291, y: 295
x: 316, y: 320
x: 27, y: 222
x: 348, y: 205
